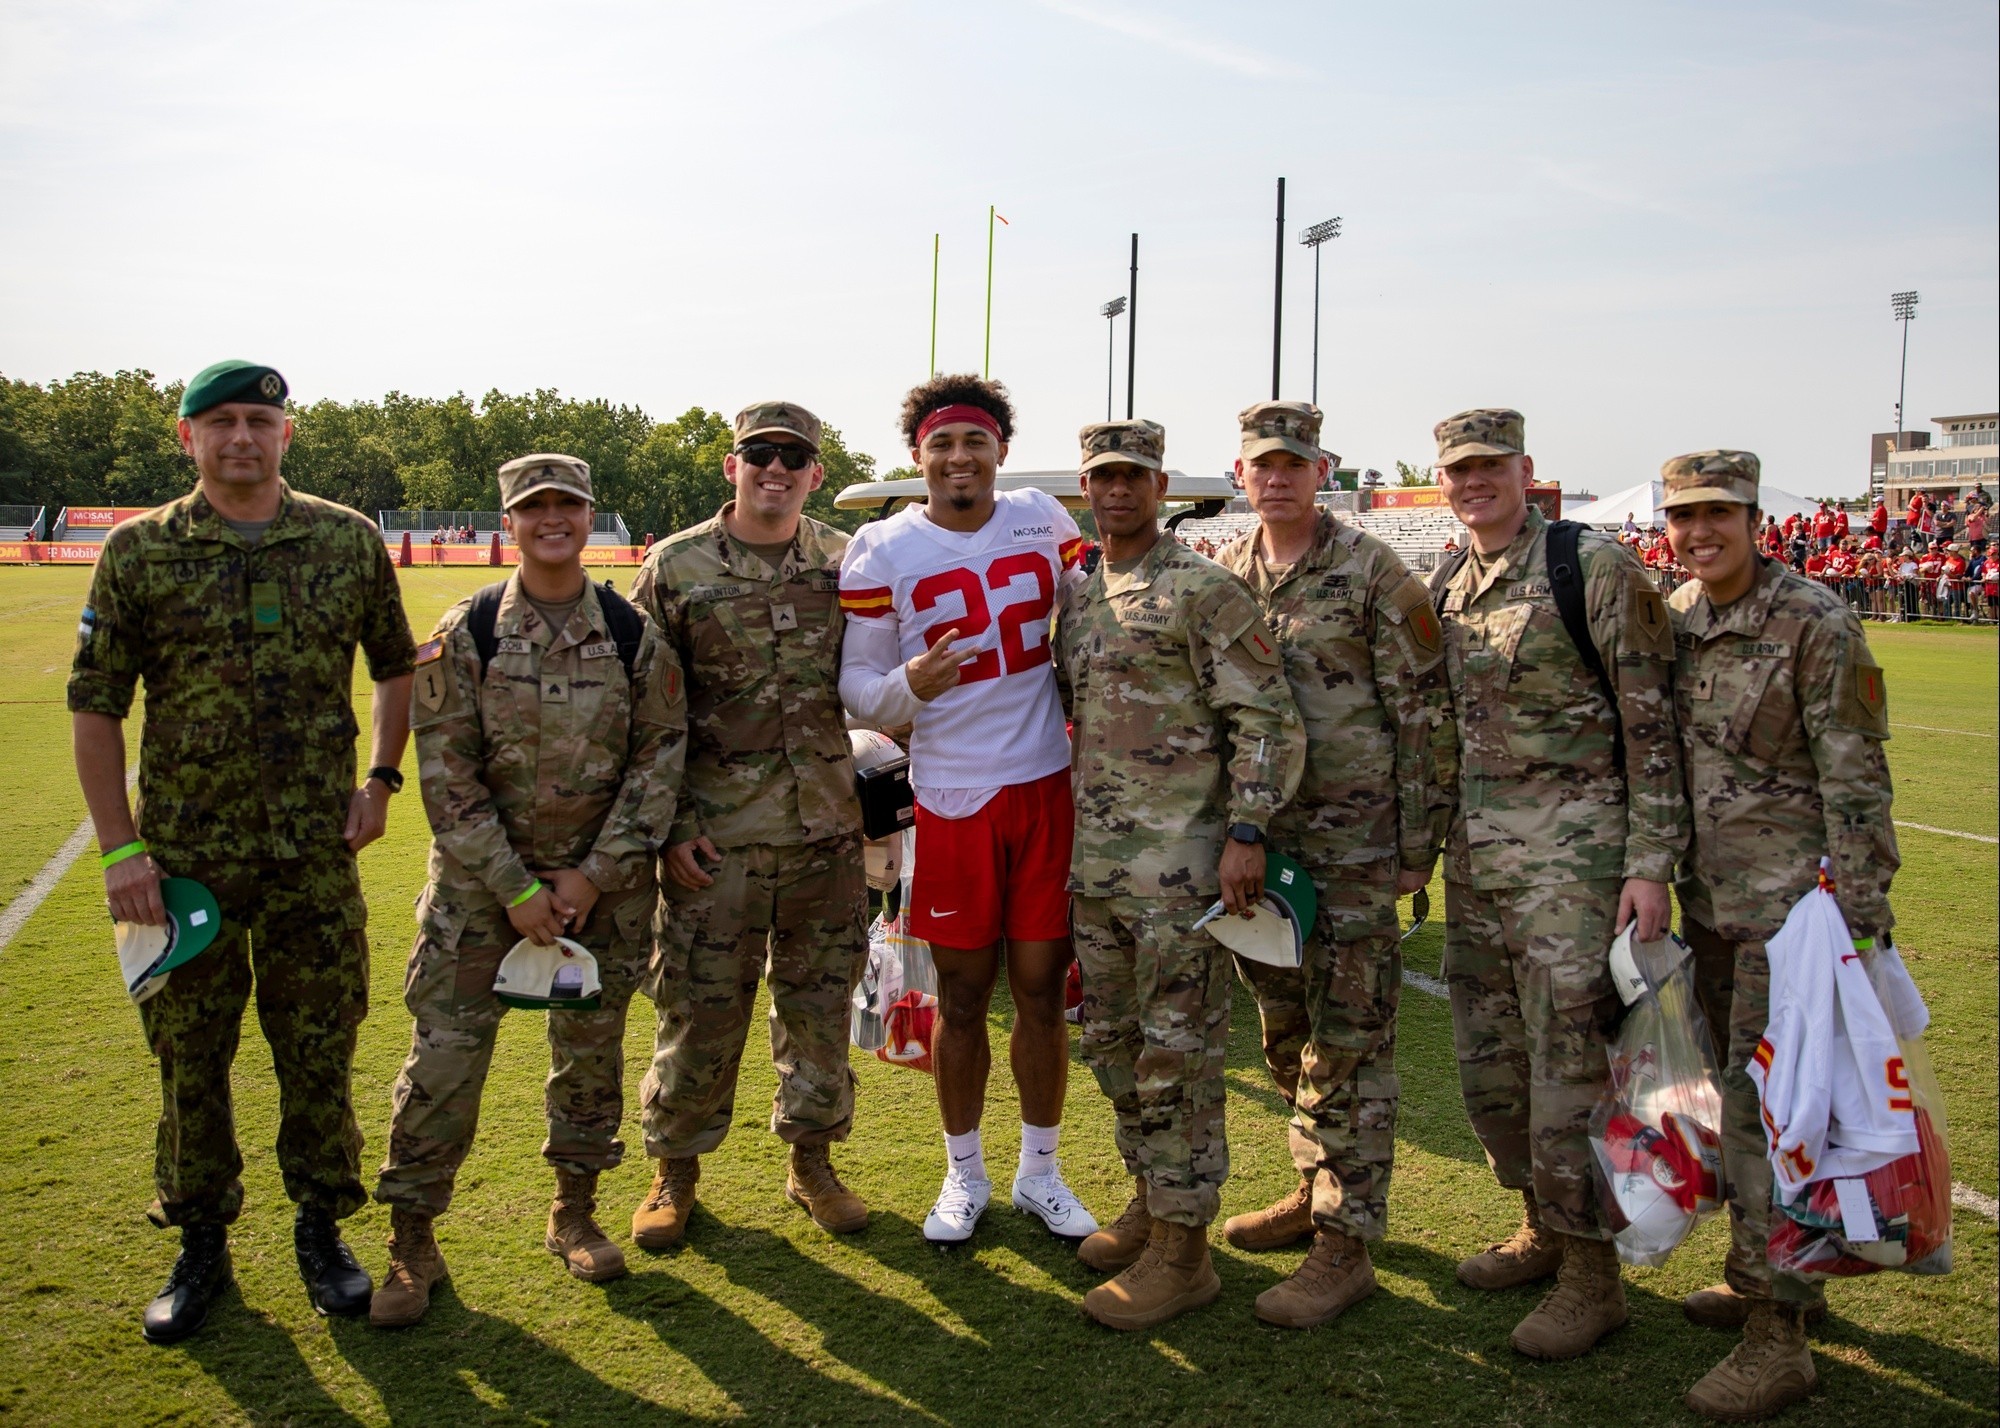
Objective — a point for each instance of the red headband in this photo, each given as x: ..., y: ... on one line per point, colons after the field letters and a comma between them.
x: 945, y: 416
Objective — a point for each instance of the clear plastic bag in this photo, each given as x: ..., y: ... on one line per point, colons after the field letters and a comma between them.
x: 1897, y: 1216
x: 898, y: 968
x: 1653, y: 1138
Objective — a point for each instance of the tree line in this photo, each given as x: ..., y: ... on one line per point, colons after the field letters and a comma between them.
x: 109, y: 440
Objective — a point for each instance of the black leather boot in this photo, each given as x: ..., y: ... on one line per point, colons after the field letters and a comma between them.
x: 334, y: 1279
x: 198, y: 1279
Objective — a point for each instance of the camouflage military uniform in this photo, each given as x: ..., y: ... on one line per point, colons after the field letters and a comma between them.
x: 1364, y: 658
x: 1546, y: 830
x: 246, y: 771
x: 1183, y: 727
x: 551, y: 758
x: 1782, y: 713
x: 771, y: 783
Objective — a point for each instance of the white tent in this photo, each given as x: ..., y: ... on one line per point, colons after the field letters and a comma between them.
x: 1642, y: 503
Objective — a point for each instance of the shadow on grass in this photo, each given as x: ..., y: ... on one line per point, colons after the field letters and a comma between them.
x: 256, y: 1363
x: 462, y: 1366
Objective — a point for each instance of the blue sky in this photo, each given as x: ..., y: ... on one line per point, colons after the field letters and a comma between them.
x: 1653, y: 228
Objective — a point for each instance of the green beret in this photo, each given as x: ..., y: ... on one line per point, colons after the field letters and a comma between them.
x: 233, y: 381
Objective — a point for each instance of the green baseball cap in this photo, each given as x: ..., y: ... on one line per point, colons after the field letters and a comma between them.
x: 146, y: 954
x: 1275, y: 932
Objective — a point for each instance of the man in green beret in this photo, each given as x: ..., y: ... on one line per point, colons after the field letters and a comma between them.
x: 240, y: 605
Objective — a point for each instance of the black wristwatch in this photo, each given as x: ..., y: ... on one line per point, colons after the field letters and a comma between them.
x: 1246, y: 833
x: 391, y: 778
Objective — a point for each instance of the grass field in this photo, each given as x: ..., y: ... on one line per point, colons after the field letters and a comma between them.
x: 761, y: 1318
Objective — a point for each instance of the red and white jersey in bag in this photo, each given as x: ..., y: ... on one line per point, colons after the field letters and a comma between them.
x: 1829, y: 1073
x: 905, y: 581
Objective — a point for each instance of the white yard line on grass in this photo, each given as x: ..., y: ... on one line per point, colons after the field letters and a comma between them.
x: 1963, y: 1196
x: 1947, y: 832
x: 1934, y: 729
x: 31, y: 897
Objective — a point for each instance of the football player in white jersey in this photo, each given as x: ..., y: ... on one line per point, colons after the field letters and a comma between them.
x: 948, y: 610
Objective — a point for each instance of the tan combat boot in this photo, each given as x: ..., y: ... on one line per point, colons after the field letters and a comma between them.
x: 1587, y: 1303
x: 1771, y: 1369
x: 662, y: 1217
x: 1172, y: 1276
x: 574, y: 1236
x: 1336, y: 1274
x: 414, y: 1266
x: 1529, y: 1254
x: 1277, y: 1225
x: 1720, y: 1307
x: 1121, y: 1242
x: 812, y: 1184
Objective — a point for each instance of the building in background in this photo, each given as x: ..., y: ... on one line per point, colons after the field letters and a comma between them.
x: 1879, y: 447
x: 1967, y: 449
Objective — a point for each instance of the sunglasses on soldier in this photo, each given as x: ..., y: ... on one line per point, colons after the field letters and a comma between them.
x: 763, y: 453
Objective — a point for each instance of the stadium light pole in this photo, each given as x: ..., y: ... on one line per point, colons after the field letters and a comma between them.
x: 1132, y: 331
x: 1904, y: 308
x: 1313, y: 237
x: 1278, y: 297
x: 1110, y: 313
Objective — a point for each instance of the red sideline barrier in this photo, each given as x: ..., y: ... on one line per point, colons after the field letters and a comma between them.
x: 50, y: 553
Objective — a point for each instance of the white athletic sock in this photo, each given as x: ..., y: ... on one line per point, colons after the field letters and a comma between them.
x: 1038, y: 1150
x: 967, y: 1158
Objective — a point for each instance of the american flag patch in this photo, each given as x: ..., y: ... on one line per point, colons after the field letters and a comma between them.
x: 430, y: 649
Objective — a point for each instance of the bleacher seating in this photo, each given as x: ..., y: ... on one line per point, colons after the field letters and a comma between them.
x: 1416, y: 536
x: 608, y: 527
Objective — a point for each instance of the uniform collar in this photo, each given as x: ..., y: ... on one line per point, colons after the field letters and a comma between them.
x: 738, y: 559
x: 204, y: 522
x: 1516, y: 557
x: 1150, y: 566
x: 1748, y: 612
x: 1323, y: 553
x: 516, y: 610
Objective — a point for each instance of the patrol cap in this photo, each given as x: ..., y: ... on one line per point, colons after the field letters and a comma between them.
x: 1710, y: 476
x: 561, y: 976
x: 1275, y: 933
x: 777, y: 419
x: 1280, y: 426
x: 1483, y: 431
x: 1139, y: 442
x: 233, y: 381
x: 146, y: 953
x: 544, y: 471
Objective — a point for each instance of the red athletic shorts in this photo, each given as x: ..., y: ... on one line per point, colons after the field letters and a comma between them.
x: 1002, y: 872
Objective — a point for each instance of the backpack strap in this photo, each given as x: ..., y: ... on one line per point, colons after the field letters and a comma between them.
x: 1566, y: 585
x: 1446, y: 569
x: 624, y: 624
x: 481, y: 619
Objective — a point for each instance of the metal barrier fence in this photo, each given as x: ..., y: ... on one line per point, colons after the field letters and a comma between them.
x: 1895, y: 598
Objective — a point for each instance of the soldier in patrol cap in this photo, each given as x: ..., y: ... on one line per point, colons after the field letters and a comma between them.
x: 1186, y: 744
x: 1782, y: 716
x: 1569, y: 820
x: 240, y: 605
x: 1365, y: 660
x: 551, y: 727
x: 764, y: 858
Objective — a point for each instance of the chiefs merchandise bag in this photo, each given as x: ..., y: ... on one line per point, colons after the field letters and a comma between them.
x: 895, y: 1002
x: 1859, y: 1210
x: 1653, y: 1138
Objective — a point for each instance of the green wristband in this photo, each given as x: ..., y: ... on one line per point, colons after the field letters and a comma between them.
x: 533, y: 888
x: 119, y: 855
x: 1864, y: 944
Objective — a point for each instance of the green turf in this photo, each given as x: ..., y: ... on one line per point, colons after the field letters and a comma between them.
x: 763, y: 1319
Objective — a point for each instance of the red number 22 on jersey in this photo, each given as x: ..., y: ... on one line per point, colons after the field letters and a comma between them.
x: 1000, y: 575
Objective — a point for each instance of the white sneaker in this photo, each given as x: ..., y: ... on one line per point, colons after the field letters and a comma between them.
x: 959, y: 1205
x: 1050, y: 1200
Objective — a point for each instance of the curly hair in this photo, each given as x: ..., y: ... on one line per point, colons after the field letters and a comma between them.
x: 957, y: 389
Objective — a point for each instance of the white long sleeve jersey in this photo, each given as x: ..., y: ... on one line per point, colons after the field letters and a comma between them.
x: 1835, y: 1095
x: 903, y: 583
